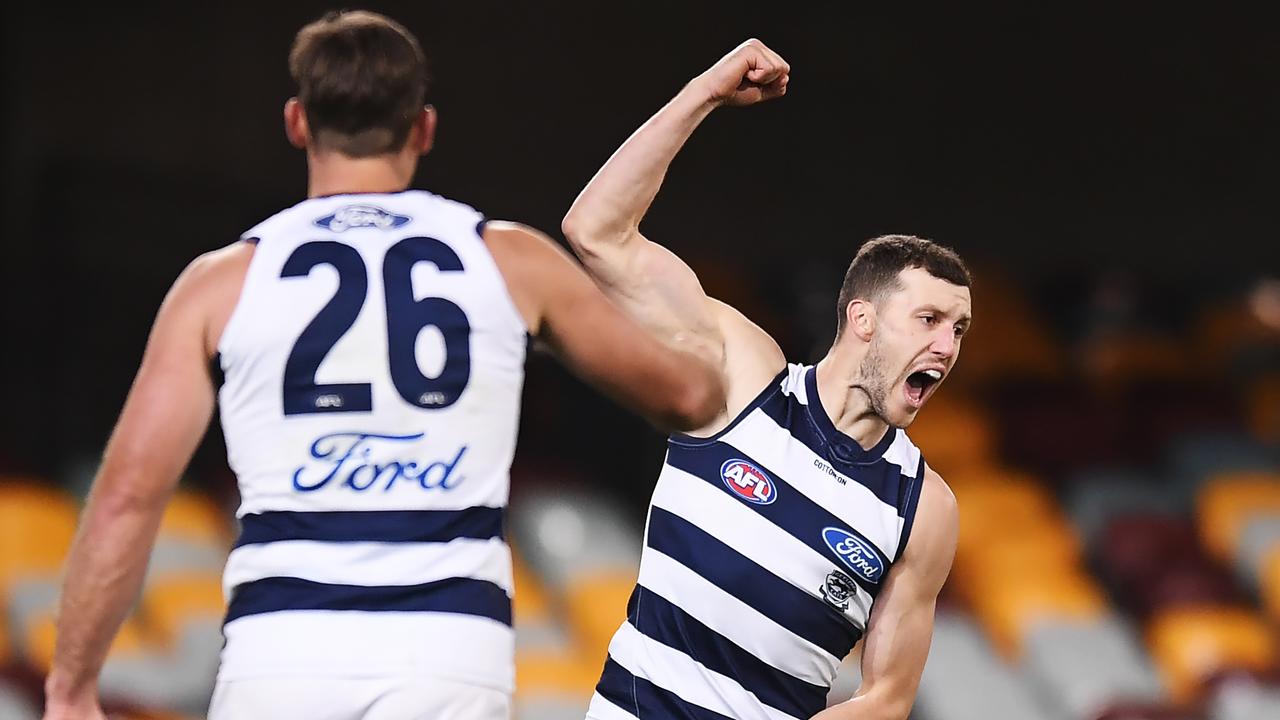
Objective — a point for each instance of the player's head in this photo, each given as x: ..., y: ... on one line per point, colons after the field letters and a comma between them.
x: 907, y: 299
x: 362, y: 84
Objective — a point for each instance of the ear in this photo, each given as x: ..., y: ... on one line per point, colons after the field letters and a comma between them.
x: 860, y: 319
x: 295, y: 124
x: 423, y: 133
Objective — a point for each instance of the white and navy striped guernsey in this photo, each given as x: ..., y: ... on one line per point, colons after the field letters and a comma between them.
x: 373, y: 368
x: 765, y: 547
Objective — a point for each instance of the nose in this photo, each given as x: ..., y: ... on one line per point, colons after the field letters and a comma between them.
x: 944, y: 343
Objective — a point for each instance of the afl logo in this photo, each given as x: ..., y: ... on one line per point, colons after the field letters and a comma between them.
x: 748, y: 482
x: 855, y: 553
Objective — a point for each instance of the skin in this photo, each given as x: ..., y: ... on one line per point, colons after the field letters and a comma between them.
x: 172, y: 399
x: 861, y: 381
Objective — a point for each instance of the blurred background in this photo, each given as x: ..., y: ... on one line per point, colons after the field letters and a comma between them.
x: 1112, y: 430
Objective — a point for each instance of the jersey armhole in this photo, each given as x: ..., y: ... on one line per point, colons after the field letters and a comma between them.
x: 503, y: 289
x: 233, y: 320
x: 909, y: 502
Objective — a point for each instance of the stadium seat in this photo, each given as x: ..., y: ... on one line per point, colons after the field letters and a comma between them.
x: 1270, y: 584
x: 553, y: 684
x: 1243, y: 696
x: 37, y: 525
x: 1260, y: 537
x: 196, y: 518
x: 1117, y: 361
x: 15, y: 704
x: 1009, y: 341
x: 964, y: 680
x: 597, y: 604
x: 1263, y: 401
x: 1228, y: 501
x: 1152, y: 560
x: 1012, y: 608
x: 957, y: 435
x: 1095, y: 496
x: 1194, y: 457
x: 1086, y: 666
x: 1189, y: 645
x: 537, y: 622
x: 175, y: 603
x: 1147, y: 711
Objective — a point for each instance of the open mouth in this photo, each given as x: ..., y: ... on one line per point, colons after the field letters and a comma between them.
x: 918, y: 385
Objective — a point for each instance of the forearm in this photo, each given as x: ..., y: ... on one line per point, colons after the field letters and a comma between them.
x: 867, y: 707
x: 610, y: 208
x: 104, y: 573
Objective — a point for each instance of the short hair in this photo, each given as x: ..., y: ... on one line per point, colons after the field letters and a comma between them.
x: 362, y: 80
x: 873, y: 274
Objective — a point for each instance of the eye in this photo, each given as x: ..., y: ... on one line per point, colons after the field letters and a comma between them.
x: 960, y: 330
x: 929, y: 319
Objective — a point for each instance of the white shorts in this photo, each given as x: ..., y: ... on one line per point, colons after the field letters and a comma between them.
x: 290, y: 697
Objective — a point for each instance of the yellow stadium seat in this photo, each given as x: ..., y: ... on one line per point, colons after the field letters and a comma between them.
x: 1116, y: 361
x: 195, y: 517
x: 556, y: 672
x: 956, y: 434
x: 1010, y: 505
x: 1227, y: 503
x: 37, y: 525
x: 1051, y: 548
x: 597, y: 605
x: 169, y: 604
x: 6, y: 652
x: 1191, y: 644
x: 530, y: 605
x: 1010, y: 606
x: 42, y: 635
x: 1270, y: 582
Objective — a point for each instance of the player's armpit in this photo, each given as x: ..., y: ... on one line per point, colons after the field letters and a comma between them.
x: 901, y: 626
x: 672, y: 383
x: 164, y: 417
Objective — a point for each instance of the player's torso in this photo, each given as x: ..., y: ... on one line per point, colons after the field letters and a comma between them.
x: 373, y: 368
x: 765, y: 549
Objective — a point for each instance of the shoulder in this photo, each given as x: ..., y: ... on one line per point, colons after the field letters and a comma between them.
x: 207, y: 290
x: 937, y: 520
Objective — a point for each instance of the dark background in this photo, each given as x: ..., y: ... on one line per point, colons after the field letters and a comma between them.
x: 1063, y: 146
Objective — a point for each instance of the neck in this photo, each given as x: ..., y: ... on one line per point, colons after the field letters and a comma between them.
x: 332, y: 173
x: 849, y: 407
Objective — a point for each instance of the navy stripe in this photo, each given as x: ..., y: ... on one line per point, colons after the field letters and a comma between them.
x: 810, y: 426
x: 480, y: 523
x: 729, y: 570
x: 467, y: 596
x: 791, y: 510
x: 643, y: 699
x: 657, y: 618
x: 910, y: 502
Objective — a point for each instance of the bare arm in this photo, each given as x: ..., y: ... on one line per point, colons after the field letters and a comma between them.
x: 649, y: 282
x: 163, y: 419
x: 671, y: 386
x: 901, y: 627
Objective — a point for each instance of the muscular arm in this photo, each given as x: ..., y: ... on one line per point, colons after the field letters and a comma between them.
x: 671, y: 386
x: 901, y: 627
x: 649, y: 282
x: 163, y: 419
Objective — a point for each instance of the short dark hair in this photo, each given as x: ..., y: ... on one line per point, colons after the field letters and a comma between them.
x: 362, y: 80
x: 873, y: 274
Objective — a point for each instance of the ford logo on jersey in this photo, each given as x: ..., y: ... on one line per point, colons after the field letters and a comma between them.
x: 855, y: 552
x: 362, y: 461
x: 748, y: 482
x: 357, y: 216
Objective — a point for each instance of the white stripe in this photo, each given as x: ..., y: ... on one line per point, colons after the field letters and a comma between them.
x: 903, y: 453
x: 691, y: 681
x: 730, y: 521
x: 759, y: 436
x: 602, y: 709
x: 794, y: 383
x: 742, y: 624
x: 372, y: 563
x: 351, y: 643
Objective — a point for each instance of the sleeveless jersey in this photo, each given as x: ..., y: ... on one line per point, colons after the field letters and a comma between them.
x: 765, y: 547
x: 373, y: 368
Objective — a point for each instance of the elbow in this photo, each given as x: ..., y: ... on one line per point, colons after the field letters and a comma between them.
x: 588, y: 233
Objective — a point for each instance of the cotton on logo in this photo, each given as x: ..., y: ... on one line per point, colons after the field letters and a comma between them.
x: 748, y: 482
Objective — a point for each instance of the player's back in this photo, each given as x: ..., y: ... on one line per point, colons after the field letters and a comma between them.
x: 373, y: 368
